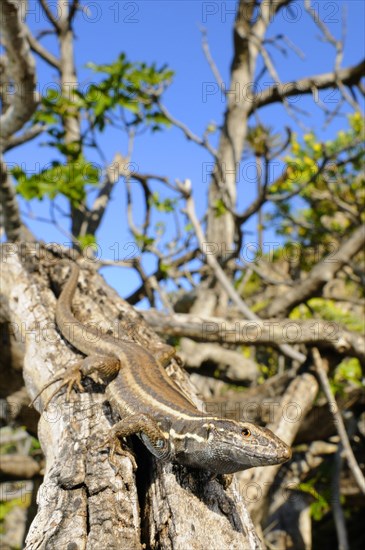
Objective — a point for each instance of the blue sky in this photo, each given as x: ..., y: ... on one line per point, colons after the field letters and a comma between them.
x: 169, y: 32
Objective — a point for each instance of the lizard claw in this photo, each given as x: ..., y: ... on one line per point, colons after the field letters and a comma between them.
x: 69, y: 378
x: 226, y: 480
x: 116, y: 447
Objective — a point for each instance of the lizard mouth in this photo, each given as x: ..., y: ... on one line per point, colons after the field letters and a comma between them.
x: 282, y: 456
x: 266, y: 455
x: 287, y: 453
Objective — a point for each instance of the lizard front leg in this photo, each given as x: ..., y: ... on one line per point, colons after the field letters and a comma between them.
x: 146, y: 427
x: 105, y: 366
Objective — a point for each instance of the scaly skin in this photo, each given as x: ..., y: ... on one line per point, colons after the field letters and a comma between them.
x: 154, y: 408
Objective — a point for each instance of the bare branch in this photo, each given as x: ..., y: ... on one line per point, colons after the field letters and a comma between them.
x: 19, y: 466
x: 258, y: 332
x: 338, y: 45
x: 325, y: 30
x: 219, y: 273
x: 249, y: 22
x: 319, y: 276
x: 203, y: 142
x: 14, y: 227
x: 28, y: 134
x: 42, y: 51
x: 140, y: 293
x: 21, y: 68
x: 166, y: 302
x: 209, y: 58
x: 230, y: 363
x: 50, y: 15
x: 274, y: 75
x: 75, y: 5
x: 337, y: 510
x: 279, y: 4
x: 95, y: 214
x: 349, y: 76
x: 341, y: 430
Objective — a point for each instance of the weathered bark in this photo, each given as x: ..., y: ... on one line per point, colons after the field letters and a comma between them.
x: 18, y: 71
x: 71, y: 116
x: 261, y: 332
x: 21, y: 70
x: 9, y: 209
x: 221, y: 230
x: 83, y: 499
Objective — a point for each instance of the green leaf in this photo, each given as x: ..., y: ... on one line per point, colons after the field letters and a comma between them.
x: 349, y: 370
x: 46, y: 117
x: 69, y: 179
x: 164, y: 268
x: 220, y: 208
x: 166, y: 205
x: 320, y: 506
x: 86, y: 241
x: 144, y: 241
x: 132, y: 86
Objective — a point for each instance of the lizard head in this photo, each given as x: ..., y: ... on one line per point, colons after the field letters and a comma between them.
x: 242, y: 445
x: 226, y: 446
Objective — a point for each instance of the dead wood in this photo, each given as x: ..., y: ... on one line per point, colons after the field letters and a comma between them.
x: 83, y: 499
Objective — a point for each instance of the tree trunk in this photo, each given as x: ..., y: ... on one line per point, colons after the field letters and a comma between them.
x: 84, y: 499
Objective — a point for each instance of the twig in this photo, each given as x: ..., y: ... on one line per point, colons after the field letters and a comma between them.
x: 348, y: 76
x: 38, y: 48
x: 219, y: 273
x: 50, y: 15
x: 210, y: 59
x: 337, y: 510
x: 73, y: 9
x: 160, y: 291
x: 293, y: 47
x: 277, y: 82
x: 340, y: 427
x: 203, y: 142
x: 266, y: 278
x: 338, y: 45
x: 28, y: 134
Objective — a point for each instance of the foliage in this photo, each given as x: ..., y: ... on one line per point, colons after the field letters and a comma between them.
x: 132, y: 87
x: 166, y: 205
x: 348, y: 372
x: 86, y: 241
x: 22, y: 502
x: 320, y: 505
x: 328, y: 310
x: 127, y: 89
x: 219, y: 208
x: 68, y: 179
x: 329, y: 180
x: 54, y: 109
x: 261, y: 140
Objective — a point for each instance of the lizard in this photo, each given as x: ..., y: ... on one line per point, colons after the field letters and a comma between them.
x: 152, y: 406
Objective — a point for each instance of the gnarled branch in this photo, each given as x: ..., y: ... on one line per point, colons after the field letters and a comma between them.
x: 21, y: 69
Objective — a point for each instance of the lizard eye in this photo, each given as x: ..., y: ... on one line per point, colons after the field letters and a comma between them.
x: 246, y: 432
x: 160, y: 443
